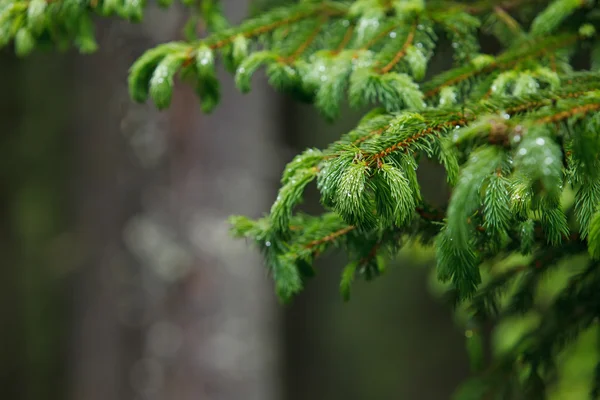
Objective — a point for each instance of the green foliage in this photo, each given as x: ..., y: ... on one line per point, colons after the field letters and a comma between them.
x: 594, y: 239
x: 24, y: 42
x: 161, y: 82
x: 516, y: 132
x: 475, y: 349
x: 347, y: 279
x: 289, y: 195
x: 142, y: 71
x: 549, y: 19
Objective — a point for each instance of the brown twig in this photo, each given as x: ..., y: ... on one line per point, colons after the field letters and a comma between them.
x: 409, y: 39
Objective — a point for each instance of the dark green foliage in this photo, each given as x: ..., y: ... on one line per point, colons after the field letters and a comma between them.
x: 518, y: 134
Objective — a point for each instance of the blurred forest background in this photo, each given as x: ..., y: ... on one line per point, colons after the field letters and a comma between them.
x: 119, y: 279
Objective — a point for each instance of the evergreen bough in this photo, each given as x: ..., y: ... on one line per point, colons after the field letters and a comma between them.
x: 518, y: 134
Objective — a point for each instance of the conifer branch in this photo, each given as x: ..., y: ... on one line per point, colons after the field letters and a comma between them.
x: 380, y: 36
x: 562, y: 115
x: 516, y: 134
x: 507, y: 20
x: 369, y: 135
x: 346, y: 39
x: 539, y: 103
x: 409, y: 39
x: 324, y: 9
x: 331, y: 236
x: 506, y: 61
x: 304, y: 45
x: 402, y: 145
x: 430, y: 214
x: 484, y: 6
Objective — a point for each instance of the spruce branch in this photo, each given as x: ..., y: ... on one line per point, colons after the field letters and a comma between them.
x: 516, y: 133
x: 330, y: 237
x: 315, y: 50
x: 281, y: 17
x: 399, y: 55
x: 345, y: 40
x: 504, y: 61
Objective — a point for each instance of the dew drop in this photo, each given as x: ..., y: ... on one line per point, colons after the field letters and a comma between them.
x: 505, y: 116
x: 420, y: 26
x: 455, y: 45
x: 420, y: 45
x: 345, y: 23
x: 548, y: 160
x: 268, y: 244
x: 349, y: 194
x: 518, y: 129
x: 517, y: 138
x: 321, y: 68
x: 540, y: 141
x: 522, y: 152
x: 393, y: 35
x: 241, y: 70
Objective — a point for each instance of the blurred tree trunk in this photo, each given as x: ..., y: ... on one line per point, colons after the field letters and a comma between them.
x: 120, y: 280
x: 195, y: 319
x: 33, y: 176
x: 107, y: 317
x: 11, y: 362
